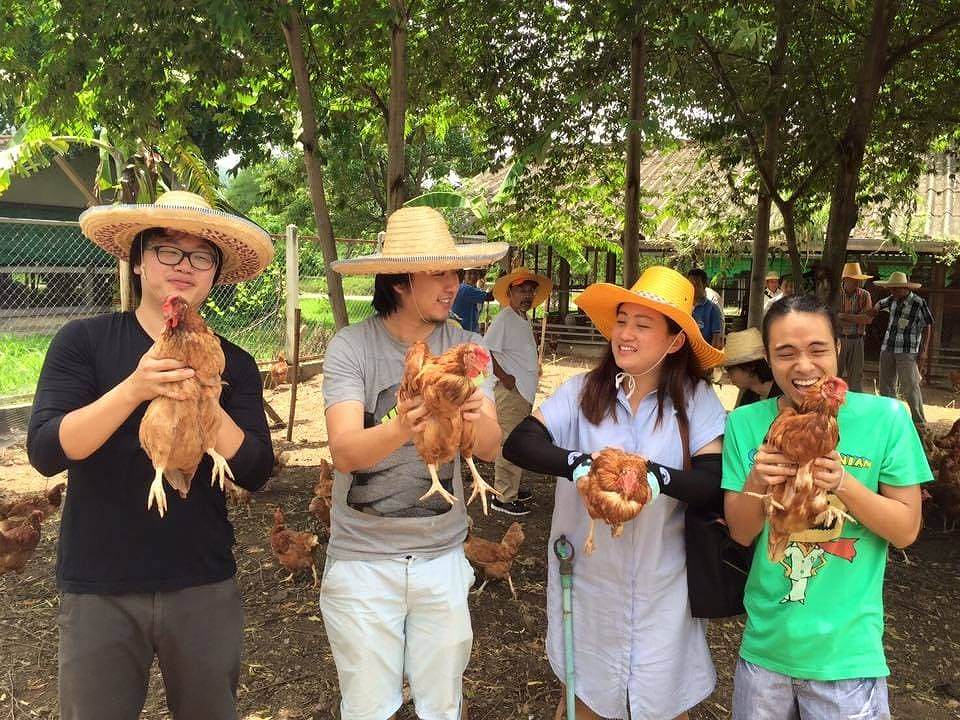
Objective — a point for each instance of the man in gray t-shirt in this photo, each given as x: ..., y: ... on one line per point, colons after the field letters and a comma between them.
x: 394, y: 593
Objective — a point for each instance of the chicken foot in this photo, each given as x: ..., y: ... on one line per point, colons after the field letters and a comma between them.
x: 480, y: 486
x: 436, y: 488
x: 766, y: 499
x: 588, y: 545
x: 157, y: 493
x: 221, y: 470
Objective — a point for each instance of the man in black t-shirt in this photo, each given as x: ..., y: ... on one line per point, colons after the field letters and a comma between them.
x: 135, y: 585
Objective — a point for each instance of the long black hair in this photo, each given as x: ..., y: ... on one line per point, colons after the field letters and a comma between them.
x: 798, y: 304
x: 386, y: 299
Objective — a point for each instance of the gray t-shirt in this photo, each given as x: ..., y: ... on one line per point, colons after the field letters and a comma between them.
x: 377, y: 513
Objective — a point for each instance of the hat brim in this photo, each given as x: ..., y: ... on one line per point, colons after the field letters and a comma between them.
x: 472, y: 255
x: 600, y: 303
x: 247, y: 248
x: 909, y: 285
x: 858, y: 277
x: 501, y: 289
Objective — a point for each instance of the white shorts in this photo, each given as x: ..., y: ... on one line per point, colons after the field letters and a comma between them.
x: 387, y: 619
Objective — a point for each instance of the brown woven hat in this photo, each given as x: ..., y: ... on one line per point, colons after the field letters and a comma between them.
x: 418, y: 240
x: 247, y: 248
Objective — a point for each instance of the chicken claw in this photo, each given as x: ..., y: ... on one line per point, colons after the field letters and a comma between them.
x: 221, y: 470
x: 436, y: 487
x: 766, y: 499
x: 157, y: 493
x: 480, y: 486
x: 588, y: 545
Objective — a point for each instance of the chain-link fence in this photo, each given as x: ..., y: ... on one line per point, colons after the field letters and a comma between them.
x: 51, y: 274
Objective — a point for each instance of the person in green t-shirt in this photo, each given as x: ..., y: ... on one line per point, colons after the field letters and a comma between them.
x: 813, y: 643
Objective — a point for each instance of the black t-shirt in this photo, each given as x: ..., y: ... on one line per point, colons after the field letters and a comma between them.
x: 749, y: 396
x: 109, y: 542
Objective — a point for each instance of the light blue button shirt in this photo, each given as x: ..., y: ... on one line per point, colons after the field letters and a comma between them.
x: 633, y: 632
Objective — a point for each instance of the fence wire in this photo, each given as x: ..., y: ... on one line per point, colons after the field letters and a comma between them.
x: 51, y: 274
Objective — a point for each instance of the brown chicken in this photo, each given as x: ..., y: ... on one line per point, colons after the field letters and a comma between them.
x: 294, y: 550
x: 955, y: 380
x: 175, y: 434
x: 323, y: 495
x: 945, y: 490
x: 615, y: 491
x: 19, y: 537
x: 445, y: 383
x: 803, y: 436
x: 495, y: 559
x: 46, y: 502
x: 238, y: 496
x: 278, y: 371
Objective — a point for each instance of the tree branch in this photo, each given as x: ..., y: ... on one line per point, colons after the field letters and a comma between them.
x: 933, y: 34
x: 378, y: 101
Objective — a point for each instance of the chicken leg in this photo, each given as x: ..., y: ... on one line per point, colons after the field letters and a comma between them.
x: 436, y: 487
x: 588, y: 545
x: 221, y: 470
x: 480, y: 486
x: 157, y: 493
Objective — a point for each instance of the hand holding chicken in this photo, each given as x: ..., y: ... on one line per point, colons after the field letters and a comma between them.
x: 614, y: 490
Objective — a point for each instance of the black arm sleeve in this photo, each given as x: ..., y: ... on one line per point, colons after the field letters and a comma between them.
x: 253, y: 460
x: 531, y: 447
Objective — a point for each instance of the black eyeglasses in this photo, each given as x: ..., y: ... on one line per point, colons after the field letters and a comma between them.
x: 198, y: 259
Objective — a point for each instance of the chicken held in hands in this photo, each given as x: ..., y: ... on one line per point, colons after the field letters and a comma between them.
x: 615, y: 490
x: 495, y: 559
x: 803, y: 435
x: 19, y: 537
x: 444, y: 383
x: 294, y: 550
x: 176, y: 432
x: 47, y: 503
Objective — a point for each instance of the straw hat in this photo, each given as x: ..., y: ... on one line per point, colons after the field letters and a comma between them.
x: 743, y: 347
x: 897, y: 280
x: 501, y: 290
x: 247, y: 248
x: 852, y: 270
x: 418, y: 240
x: 773, y: 276
x: 660, y: 289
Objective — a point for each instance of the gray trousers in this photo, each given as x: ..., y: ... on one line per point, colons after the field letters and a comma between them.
x: 851, y: 362
x: 107, y: 645
x: 902, y: 368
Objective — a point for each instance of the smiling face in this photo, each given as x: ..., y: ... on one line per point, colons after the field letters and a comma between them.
x: 640, y: 337
x: 430, y: 295
x: 802, y: 352
x: 160, y: 281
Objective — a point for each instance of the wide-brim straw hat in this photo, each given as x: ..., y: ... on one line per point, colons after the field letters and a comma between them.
x: 418, y: 240
x: 660, y: 289
x: 743, y: 346
x: 772, y: 276
x: 852, y: 270
x: 246, y: 247
x: 501, y: 289
x: 897, y: 280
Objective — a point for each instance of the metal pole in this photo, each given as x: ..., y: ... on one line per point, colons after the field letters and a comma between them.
x: 564, y: 552
x: 293, y: 291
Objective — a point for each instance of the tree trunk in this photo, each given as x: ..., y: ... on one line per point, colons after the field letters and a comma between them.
x: 293, y: 33
x: 793, y: 248
x: 843, y: 199
x: 761, y: 246
x: 638, y: 112
x: 397, y: 118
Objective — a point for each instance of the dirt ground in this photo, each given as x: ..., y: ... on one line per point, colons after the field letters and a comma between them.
x: 288, y: 671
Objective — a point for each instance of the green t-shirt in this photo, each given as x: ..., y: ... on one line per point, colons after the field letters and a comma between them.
x: 818, y: 614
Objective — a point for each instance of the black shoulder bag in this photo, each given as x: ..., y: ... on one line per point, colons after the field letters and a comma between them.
x: 717, y: 566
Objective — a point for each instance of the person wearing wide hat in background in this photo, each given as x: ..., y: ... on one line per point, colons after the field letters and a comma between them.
x: 905, y: 343
x: 639, y: 651
x: 133, y: 584
x: 854, y: 317
x: 748, y: 368
x: 511, y: 342
x: 394, y: 592
x: 771, y: 285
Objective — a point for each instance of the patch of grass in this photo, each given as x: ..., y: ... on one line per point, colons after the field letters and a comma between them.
x: 21, y: 357
x: 318, y: 311
x: 352, y: 285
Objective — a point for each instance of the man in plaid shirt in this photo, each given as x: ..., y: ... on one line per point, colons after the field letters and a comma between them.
x: 905, y: 343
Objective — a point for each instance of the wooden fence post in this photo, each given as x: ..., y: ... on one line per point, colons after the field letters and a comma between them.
x: 293, y: 293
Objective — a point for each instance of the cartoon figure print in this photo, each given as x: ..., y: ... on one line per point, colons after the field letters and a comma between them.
x: 809, y: 551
